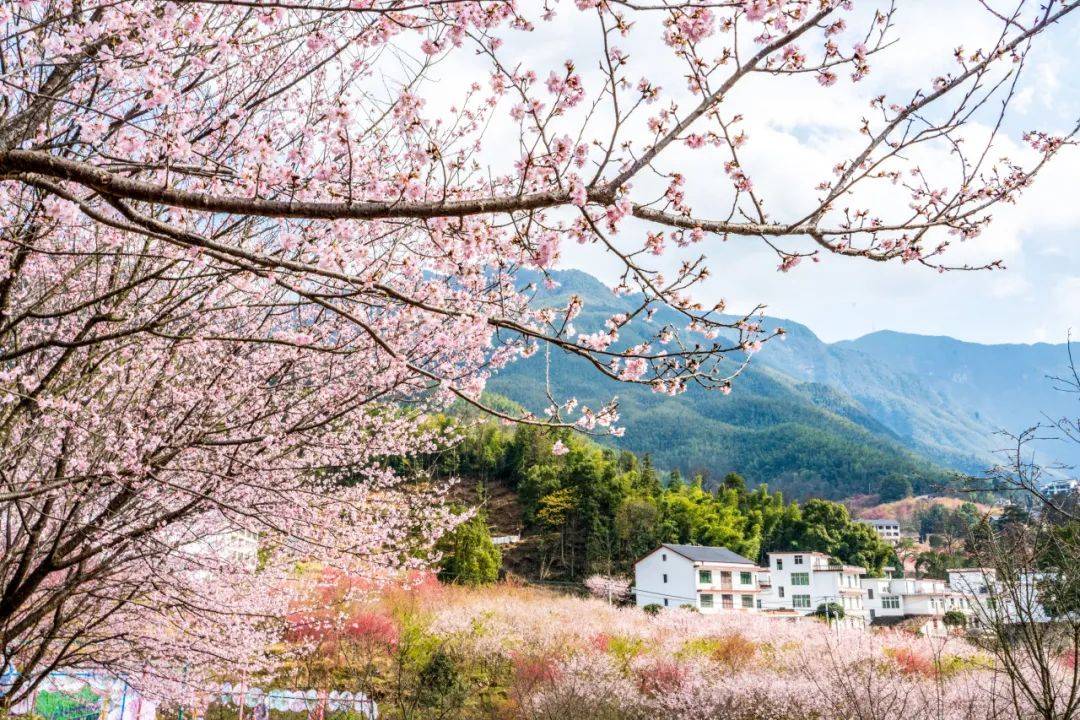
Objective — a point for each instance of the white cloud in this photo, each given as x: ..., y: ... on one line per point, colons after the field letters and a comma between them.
x: 798, y: 131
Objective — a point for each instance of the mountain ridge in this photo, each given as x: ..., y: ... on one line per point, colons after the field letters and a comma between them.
x: 813, y: 417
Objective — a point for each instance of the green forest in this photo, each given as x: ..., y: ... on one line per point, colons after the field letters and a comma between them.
x: 595, y: 509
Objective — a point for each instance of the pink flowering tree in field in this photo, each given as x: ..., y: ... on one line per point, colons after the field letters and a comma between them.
x: 246, y: 246
x: 608, y: 587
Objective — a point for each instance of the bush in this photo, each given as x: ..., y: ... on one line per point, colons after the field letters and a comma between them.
x: 469, y: 555
x: 830, y: 611
x: 955, y: 618
x: 652, y: 609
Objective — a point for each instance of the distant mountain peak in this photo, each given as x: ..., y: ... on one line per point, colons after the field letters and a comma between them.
x: 813, y: 417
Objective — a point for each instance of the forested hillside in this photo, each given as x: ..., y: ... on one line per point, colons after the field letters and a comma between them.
x: 586, y: 508
x: 811, y: 418
x: 807, y: 439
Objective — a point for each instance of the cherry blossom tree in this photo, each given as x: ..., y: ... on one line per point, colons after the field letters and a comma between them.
x: 608, y: 587
x: 247, y: 246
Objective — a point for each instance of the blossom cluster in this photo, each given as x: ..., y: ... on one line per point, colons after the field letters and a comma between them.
x: 558, y: 656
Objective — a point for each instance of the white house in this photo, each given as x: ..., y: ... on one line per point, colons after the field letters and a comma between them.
x: 925, y: 597
x: 880, y: 600
x: 1059, y: 487
x: 972, y: 581
x: 918, y: 604
x: 712, y: 579
x: 887, y: 529
x: 240, y: 547
x: 802, y: 581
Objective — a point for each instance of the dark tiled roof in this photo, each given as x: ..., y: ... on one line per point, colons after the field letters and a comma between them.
x: 706, y: 553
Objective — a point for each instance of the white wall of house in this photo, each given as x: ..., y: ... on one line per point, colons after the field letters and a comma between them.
x: 972, y: 581
x: 880, y: 600
x: 665, y: 578
x: 888, y: 530
x: 727, y: 586
x: 803, y: 581
x: 799, y: 582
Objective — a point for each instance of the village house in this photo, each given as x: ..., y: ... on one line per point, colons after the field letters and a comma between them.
x: 711, y: 579
x: 887, y: 529
x: 803, y: 581
x: 972, y: 581
x: 715, y: 579
x: 917, y: 604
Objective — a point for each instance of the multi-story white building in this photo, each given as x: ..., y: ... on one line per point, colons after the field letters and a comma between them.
x: 927, y: 597
x: 972, y: 581
x: 880, y: 600
x: 803, y: 581
x: 920, y: 603
x: 712, y: 579
x: 1061, y: 487
x: 888, y: 529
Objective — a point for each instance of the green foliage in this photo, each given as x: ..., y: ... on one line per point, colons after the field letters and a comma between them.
x: 469, y: 555
x: 826, y: 527
x: 830, y: 611
x: 652, y: 609
x: 954, y: 618
x: 440, y: 680
x: 937, y: 564
x: 895, y: 487
x: 1059, y: 588
x: 599, y: 510
x: 63, y: 705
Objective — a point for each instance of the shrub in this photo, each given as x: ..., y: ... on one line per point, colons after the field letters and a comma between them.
x: 469, y: 555
x: 830, y: 611
x: 652, y: 609
x: 732, y: 650
x: 955, y: 618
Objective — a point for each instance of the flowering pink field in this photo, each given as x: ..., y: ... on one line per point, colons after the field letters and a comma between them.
x: 561, y: 657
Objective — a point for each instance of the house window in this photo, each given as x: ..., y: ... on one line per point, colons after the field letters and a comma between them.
x: 746, y: 578
x: 705, y: 577
x: 663, y: 557
x: 800, y: 602
x: 706, y: 600
x: 748, y: 601
x: 798, y: 559
x: 727, y: 602
x: 665, y: 577
x: 780, y: 590
x: 800, y: 578
x: 665, y: 602
x: 890, y: 602
x: 779, y: 564
x: 870, y: 593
